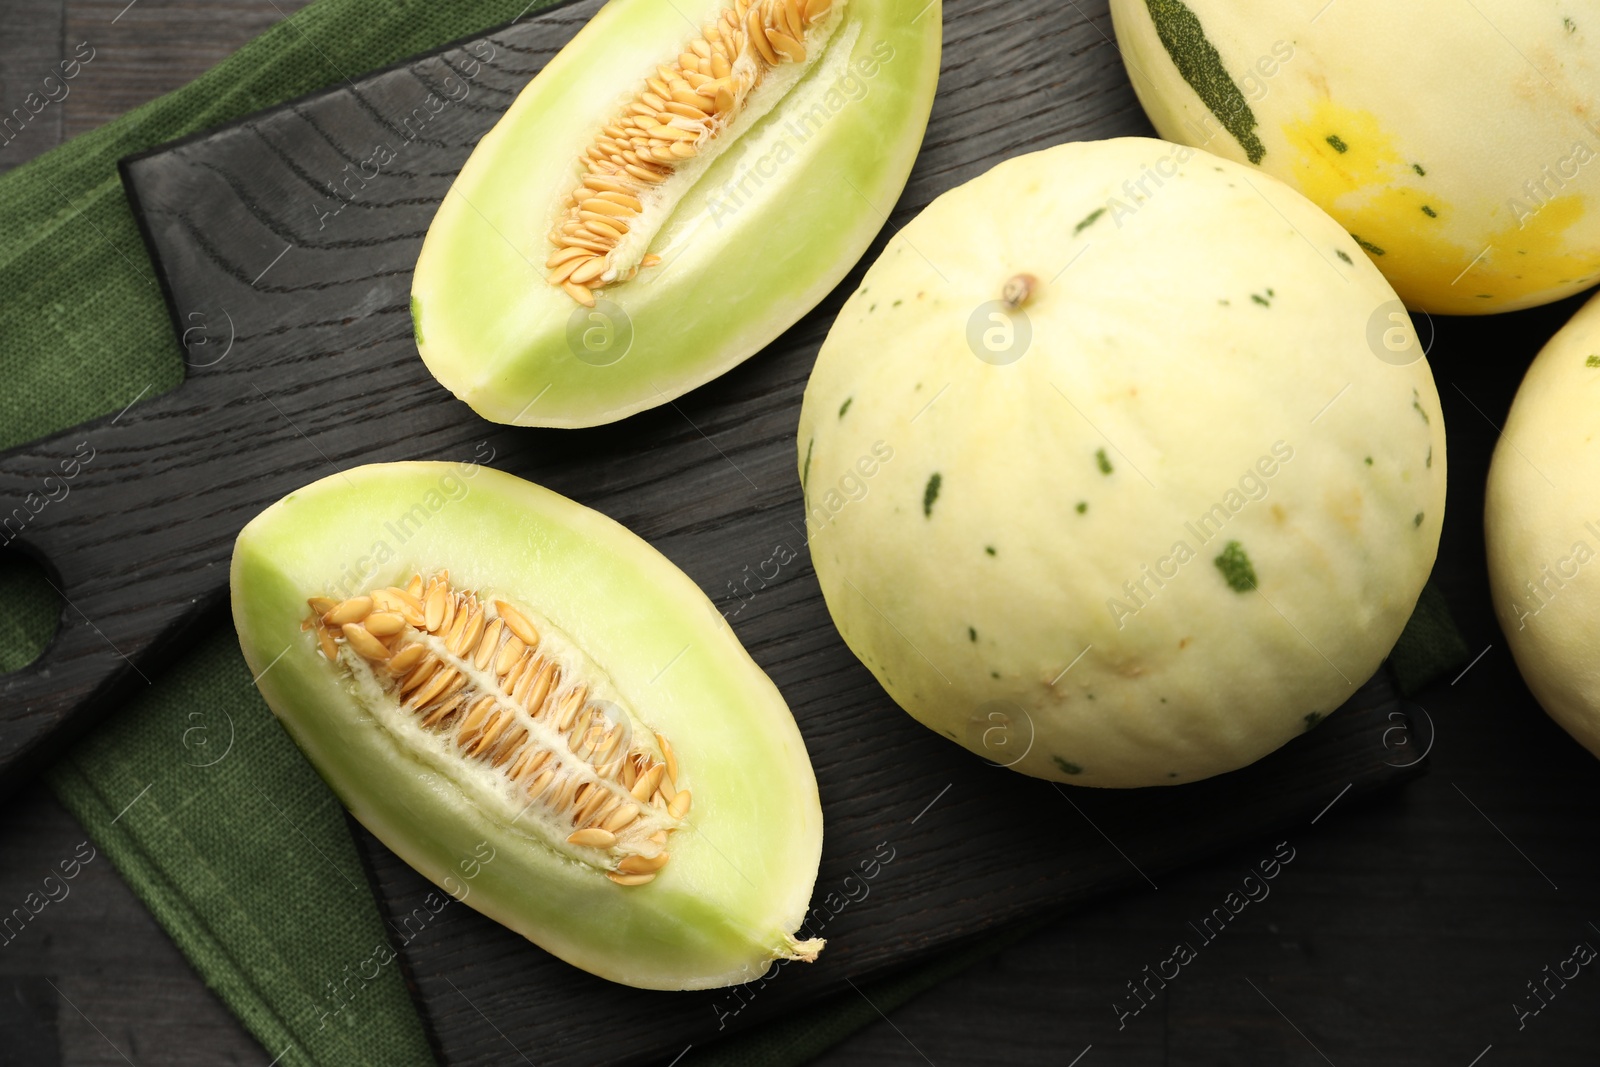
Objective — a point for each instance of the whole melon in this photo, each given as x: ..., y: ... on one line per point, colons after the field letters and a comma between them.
x: 1457, y: 141
x: 1122, y: 500
x: 1542, y: 527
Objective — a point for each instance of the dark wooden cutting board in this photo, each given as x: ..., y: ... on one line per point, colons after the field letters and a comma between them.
x: 285, y: 251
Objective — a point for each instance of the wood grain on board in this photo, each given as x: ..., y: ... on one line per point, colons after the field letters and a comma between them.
x: 287, y: 266
x: 1402, y: 934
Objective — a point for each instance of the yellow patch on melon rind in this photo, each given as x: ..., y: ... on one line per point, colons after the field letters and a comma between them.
x: 1346, y: 162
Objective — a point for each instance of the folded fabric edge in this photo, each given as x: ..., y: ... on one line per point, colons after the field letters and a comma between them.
x: 205, y: 951
x: 1430, y: 646
x: 1420, y: 656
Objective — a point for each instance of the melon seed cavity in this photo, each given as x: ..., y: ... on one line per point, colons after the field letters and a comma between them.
x: 679, y: 116
x: 481, y: 677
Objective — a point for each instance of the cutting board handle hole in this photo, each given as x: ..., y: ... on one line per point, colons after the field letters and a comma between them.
x: 30, y: 607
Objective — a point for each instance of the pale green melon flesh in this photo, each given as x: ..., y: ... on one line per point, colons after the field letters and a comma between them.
x: 982, y: 530
x: 1542, y: 527
x: 769, y: 228
x: 743, y: 864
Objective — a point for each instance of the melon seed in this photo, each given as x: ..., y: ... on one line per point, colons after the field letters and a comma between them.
x: 476, y: 672
x: 680, y: 111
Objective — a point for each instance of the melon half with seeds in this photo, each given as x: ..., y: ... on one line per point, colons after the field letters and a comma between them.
x: 539, y: 713
x: 1122, y: 498
x: 675, y: 189
x: 1456, y: 140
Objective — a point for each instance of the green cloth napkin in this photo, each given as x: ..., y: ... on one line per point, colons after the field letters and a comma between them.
x: 192, y: 789
x: 1430, y: 645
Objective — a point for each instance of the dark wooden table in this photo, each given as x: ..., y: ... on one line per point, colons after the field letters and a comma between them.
x: 1404, y: 932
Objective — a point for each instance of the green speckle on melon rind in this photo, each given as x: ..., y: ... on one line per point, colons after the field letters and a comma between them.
x: 805, y: 471
x: 930, y: 494
x: 1102, y: 461
x: 1313, y: 718
x: 1089, y: 220
x: 953, y: 544
x: 1367, y: 246
x: 1201, y: 66
x: 1067, y: 768
x: 1236, y: 569
x: 1592, y: 361
x: 845, y: 406
x: 1338, y: 143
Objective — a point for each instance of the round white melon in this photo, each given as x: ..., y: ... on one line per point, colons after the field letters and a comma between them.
x: 1158, y: 514
x: 1542, y: 527
x: 1459, y: 141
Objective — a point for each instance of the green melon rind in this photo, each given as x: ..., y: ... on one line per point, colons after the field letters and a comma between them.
x: 495, y: 333
x: 742, y: 869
